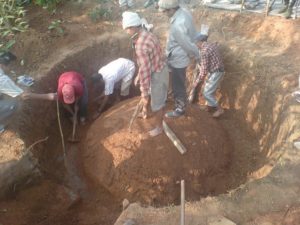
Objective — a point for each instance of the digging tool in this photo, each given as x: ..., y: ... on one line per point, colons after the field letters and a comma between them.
x: 269, y: 6
x: 171, y: 135
x: 60, y: 129
x: 195, y: 92
x: 197, y: 88
x: 72, y: 139
x: 137, y: 110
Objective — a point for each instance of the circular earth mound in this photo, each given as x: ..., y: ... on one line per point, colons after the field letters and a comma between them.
x: 148, y: 169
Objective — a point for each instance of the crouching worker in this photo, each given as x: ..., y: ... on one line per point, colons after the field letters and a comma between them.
x: 211, y: 66
x: 8, y: 105
x: 117, y: 73
x: 153, y: 71
x: 71, y: 91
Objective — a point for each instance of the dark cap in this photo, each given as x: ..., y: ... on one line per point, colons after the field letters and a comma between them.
x: 97, y: 77
x: 6, y: 58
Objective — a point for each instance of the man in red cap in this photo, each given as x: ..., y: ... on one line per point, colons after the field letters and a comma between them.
x: 71, y: 90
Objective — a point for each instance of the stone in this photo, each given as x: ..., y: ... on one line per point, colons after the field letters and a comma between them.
x: 130, y: 222
x: 219, y: 220
x: 125, y: 204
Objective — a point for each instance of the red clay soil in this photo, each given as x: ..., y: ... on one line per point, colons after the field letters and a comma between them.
x: 147, y: 169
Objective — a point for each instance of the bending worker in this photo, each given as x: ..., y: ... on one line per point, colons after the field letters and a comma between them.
x: 113, y: 75
x: 71, y: 91
x: 212, y: 67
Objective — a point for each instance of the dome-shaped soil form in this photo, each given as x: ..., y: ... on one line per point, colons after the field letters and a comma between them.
x: 147, y: 169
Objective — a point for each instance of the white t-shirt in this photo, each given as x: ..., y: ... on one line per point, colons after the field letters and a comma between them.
x: 113, y: 72
x: 7, y: 86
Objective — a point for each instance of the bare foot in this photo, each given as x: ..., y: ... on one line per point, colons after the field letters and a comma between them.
x: 142, y: 115
x: 155, y: 132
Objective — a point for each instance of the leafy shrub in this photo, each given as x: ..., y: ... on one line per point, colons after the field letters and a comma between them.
x: 11, y: 21
x: 11, y: 18
x: 56, y: 26
x: 48, y: 4
x: 5, y: 46
x: 99, y: 13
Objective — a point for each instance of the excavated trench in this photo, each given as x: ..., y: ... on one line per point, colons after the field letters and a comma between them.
x: 222, y: 154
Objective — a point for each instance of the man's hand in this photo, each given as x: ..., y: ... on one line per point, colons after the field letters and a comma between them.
x: 26, y: 95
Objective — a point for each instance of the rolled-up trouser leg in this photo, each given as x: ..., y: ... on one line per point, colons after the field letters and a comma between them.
x: 178, y: 86
x: 211, y: 85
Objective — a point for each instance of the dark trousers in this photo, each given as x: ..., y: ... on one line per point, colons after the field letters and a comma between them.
x: 178, y: 87
x: 83, y: 102
x: 290, y: 3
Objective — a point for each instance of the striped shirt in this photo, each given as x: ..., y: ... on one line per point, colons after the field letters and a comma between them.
x: 211, y: 60
x: 150, y: 59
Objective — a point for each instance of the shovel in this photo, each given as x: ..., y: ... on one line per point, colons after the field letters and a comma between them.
x: 137, y: 109
x: 73, y: 139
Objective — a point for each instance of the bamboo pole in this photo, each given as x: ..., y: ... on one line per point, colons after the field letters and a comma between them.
x: 182, y: 208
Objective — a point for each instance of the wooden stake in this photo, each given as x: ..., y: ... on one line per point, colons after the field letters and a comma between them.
x: 182, y: 196
x: 178, y: 144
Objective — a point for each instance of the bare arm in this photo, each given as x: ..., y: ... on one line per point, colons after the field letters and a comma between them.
x: 103, y: 103
x: 48, y: 96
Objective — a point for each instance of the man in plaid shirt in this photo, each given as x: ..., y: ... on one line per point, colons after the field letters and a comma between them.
x: 211, y: 66
x: 153, y: 72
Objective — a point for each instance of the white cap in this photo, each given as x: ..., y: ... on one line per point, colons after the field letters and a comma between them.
x: 167, y: 4
x: 130, y: 19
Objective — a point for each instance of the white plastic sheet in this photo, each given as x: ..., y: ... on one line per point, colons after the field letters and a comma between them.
x: 8, y: 87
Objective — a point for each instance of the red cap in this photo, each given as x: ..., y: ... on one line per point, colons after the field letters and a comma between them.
x: 68, y: 93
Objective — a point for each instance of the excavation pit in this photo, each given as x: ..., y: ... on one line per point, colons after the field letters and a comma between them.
x: 254, y: 133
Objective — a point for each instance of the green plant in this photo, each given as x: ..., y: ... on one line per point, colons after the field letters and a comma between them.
x: 11, y: 18
x: 100, y: 13
x: 48, y: 4
x: 56, y: 26
x: 5, y: 46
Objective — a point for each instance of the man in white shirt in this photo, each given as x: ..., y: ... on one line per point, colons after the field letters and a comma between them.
x: 8, y: 87
x: 118, y: 73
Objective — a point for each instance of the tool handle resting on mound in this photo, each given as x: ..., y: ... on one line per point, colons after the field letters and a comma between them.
x: 178, y: 144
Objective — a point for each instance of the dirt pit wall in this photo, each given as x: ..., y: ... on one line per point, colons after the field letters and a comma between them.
x: 37, y: 120
x: 261, y: 61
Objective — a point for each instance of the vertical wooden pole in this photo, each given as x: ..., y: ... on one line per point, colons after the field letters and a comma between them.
x: 182, y: 215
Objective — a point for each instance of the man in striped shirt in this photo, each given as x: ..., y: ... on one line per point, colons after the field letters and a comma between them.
x: 153, y: 72
x: 211, y: 66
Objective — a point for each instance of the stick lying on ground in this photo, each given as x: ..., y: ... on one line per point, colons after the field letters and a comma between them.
x: 178, y: 144
x: 136, y: 112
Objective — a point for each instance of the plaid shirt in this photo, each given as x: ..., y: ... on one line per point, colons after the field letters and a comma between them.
x: 211, y: 60
x: 150, y: 58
